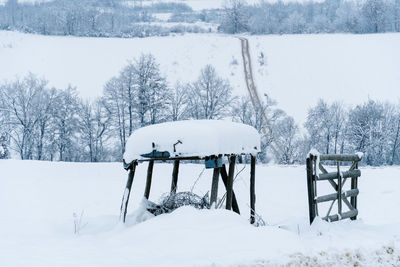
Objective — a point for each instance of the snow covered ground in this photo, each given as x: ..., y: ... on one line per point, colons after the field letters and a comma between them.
x: 350, y: 68
x: 38, y: 200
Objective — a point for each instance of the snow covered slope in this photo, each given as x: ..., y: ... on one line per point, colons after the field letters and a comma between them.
x: 38, y: 200
x: 194, y: 4
x: 89, y: 63
x: 296, y: 70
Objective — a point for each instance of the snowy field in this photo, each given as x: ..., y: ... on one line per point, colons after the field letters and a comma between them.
x: 345, y: 67
x: 38, y: 200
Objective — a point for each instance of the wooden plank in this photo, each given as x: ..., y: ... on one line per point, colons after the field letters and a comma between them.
x: 314, y: 179
x: 322, y: 168
x: 229, y: 186
x: 127, y: 192
x: 214, y: 186
x: 170, y: 159
x: 333, y: 175
x: 310, y: 190
x: 348, y: 203
x: 252, y: 189
x: 174, y: 183
x: 339, y: 157
x: 330, y: 197
x: 344, y: 215
x: 149, y: 178
x: 224, y: 176
x: 353, y: 199
x: 339, y: 191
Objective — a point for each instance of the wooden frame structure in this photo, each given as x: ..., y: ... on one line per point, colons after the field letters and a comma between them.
x: 214, y: 162
x: 317, y: 172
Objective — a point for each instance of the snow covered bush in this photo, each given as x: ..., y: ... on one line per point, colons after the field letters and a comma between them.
x: 171, y: 201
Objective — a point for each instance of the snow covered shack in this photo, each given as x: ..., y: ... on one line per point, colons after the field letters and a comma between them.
x: 212, y: 141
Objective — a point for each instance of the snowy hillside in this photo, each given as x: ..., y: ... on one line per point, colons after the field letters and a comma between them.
x: 38, y: 200
x: 345, y: 67
x: 194, y: 4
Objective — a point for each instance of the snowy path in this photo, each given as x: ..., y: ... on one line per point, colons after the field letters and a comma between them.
x: 253, y: 92
x: 38, y: 199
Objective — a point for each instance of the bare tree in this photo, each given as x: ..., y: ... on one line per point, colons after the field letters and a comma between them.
x: 286, y: 131
x: 22, y: 99
x: 178, y: 99
x: 93, y: 129
x: 151, y: 91
x: 210, y: 96
x: 236, y: 17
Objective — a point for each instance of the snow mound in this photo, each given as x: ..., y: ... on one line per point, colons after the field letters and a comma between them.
x: 193, y: 138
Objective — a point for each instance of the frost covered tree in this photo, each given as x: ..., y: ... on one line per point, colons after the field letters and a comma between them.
x: 236, y: 17
x: 394, y: 139
x: 119, y: 109
x: 374, y: 12
x: 178, y: 103
x: 22, y: 100
x: 66, y: 124
x: 210, y: 96
x: 137, y: 97
x: 287, y: 135
x: 152, y: 92
x: 369, y: 131
x: 4, y: 153
x: 325, y: 124
x: 94, y: 128
x: 245, y: 112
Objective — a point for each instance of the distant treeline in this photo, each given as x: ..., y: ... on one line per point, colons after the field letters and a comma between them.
x: 101, y: 18
x: 119, y: 18
x: 369, y: 16
x: 44, y: 123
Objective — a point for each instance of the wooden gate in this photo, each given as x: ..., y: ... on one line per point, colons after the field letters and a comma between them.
x: 317, y: 172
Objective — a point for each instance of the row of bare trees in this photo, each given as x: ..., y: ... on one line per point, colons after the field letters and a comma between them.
x: 43, y: 123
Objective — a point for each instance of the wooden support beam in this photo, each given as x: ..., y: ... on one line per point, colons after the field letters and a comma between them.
x: 353, y: 199
x: 314, y: 179
x: 348, y: 203
x: 339, y: 191
x: 127, y: 192
x: 344, y: 215
x: 252, y: 189
x: 148, y: 180
x: 330, y: 197
x: 174, y: 183
x: 333, y: 175
x: 229, y: 186
x: 224, y: 176
x: 340, y: 157
x: 214, y: 186
x: 310, y: 189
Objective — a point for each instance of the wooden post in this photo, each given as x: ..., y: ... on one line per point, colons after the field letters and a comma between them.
x: 148, y: 180
x: 214, y: 186
x: 224, y: 176
x: 353, y: 199
x: 339, y: 191
x: 229, y: 186
x: 252, y: 189
x: 174, y: 182
x: 127, y: 192
x: 310, y: 188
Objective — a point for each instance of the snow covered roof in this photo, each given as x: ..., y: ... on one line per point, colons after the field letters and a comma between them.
x: 193, y: 138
